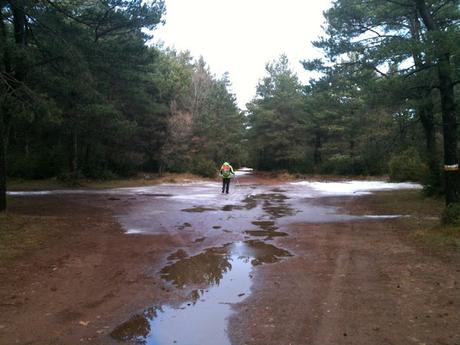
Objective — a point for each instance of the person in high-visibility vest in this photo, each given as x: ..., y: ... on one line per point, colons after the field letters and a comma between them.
x: 226, y: 171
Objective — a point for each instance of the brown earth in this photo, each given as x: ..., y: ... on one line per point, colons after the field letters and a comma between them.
x: 353, y: 283
x: 356, y: 282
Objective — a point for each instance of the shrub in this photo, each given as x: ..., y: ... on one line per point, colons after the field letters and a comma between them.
x: 451, y: 214
x: 407, y: 166
x: 69, y: 179
x: 343, y: 165
x: 41, y: 164
x: 204, y: 167
x: 433, y: 184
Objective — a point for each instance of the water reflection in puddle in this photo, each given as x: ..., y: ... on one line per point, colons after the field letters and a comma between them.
x: 222, y: 277
x: 206, y: 268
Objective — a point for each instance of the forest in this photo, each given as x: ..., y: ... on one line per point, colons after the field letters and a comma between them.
x: 84, y: 94
x: 117, y: 227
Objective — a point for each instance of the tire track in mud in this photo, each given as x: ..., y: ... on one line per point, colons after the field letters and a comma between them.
x: 330, y: 310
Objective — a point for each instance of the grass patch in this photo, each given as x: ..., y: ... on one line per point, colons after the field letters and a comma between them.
x: 441, y: 235
x: 340, y: 178
x: 424, y: 215
x: 30, y: 185
x: 406, y: 202
x: 138, y: 181
x: 20, y: 235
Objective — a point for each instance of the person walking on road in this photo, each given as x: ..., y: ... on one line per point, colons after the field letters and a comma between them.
x: 226, y: 171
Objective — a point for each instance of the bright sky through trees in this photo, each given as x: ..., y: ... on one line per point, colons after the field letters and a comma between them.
x: 241, y: 36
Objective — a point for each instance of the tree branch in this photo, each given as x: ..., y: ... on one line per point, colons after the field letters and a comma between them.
x: 378, y: 71
x: 399, y: 3
x: 419, y: 69
x: 68, y: 15
x: 440, y: 7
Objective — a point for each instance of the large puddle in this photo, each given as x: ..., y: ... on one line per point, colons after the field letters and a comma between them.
x: 186, y: 207
x: 219, y: 277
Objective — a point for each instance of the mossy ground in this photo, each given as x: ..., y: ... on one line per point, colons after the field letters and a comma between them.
x: 137, y: 181
x: 20, y: 234
x: 424, y: 215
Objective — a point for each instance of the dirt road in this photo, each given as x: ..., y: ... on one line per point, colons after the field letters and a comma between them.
x: 270, y: 263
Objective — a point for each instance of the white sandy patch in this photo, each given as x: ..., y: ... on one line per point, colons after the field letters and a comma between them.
x: 134, y: 231
x: 212, y: 184
x: 195, y: 196
x: 354, y: 187
x: 243, y: 171
x: 385, y: 216
x: 35, y: 193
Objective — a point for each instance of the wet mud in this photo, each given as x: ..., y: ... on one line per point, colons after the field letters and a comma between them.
x: 155, y: 194
x: 198, y: 209
x: 267, y: 230
x: 270, y: 263
x: 179, y: 254
x: 183, y: 226
x: 265, y: 224
x: 200, y: 239
x: 269, y: 235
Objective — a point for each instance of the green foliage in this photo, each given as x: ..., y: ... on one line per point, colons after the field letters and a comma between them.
x: 84, y: 95
x: 205, y: 126
x: 410, y: 49
x: 337, y: 124
x: 338, y: 164
x: 37, y: 164
x: 451, y: 215
x: 94, y: 100
x: 276, y: 119
x: 407, y: 166
x: 203, y: 167
x: 433, y: 185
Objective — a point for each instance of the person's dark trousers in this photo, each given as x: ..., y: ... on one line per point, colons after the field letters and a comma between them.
x: 225, y: 185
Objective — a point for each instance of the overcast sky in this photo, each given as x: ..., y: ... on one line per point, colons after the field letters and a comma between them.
x: 241, y: 36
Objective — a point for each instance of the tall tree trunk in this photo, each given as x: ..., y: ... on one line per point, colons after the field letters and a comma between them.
x: 75, y: 154
x: 16, y: 75
x: 5, y: 115
x: 19, y: 21
x: 352, y: 156
x: 425, y: 113
x: 4, y: 69
x: 3, y: 145
x: 27, y: 149
x: 425, y: 109
x: 317, y: 153
x: 446, y: 89
x: 449, y: 123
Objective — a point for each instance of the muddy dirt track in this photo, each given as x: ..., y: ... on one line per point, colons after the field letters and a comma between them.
x: 269, y: 263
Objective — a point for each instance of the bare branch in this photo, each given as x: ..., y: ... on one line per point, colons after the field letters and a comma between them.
x: 440, y: 7
x: 67, y: 14
x: 378, y: 71
x: 400, y: 3
x: 419, y: 69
